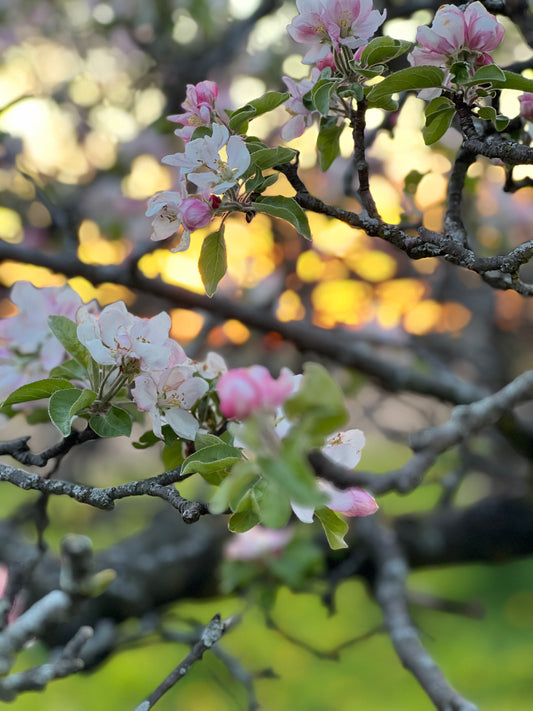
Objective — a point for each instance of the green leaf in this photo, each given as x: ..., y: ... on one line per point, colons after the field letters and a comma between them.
x: 243, y: 521
x: 383, y: 49
x: 321, y: 95
x: 292, y: 473
x: 172, y: 455
x: 334, y: 526
x: 146, y: 440
x: 512, y: 81
x: 70, y: 369
x: 285, y: 208
x: 460, y: 72
x: 409, y: 79
x: 66, y: 404
x: 488, y: 73
x: 272, y: 504
x: 37, y: 390
x: 269, y: 157
x: 259, y: 183
x: 213, y: 261
x: 65, y: 331
x: 327, y: 142
x: 238, y: 122
x: 439, y: 115
x: 235, y: 487
x: 489, y: 114
x: 213, y: 463
x: 114, y: 423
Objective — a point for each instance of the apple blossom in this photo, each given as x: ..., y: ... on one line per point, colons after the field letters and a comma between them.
x: 199, y: 108
x: 168, y: 395
x: 172, y: 212
x: 457, y: 36
x: 204, y: 153
x: 526, y: 106
x: 327, y: 24
x: 343, y: 448
x: 28, y: 348
x: 116, y: 337
x: 302, y: 117
x: 243, y: 391
x: 258, y: 542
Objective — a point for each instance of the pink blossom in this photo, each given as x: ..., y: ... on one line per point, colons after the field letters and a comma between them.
x: 16, y: 608
x: 526, y: 106
x: 343, y: 448
x: 455, y: 36
x: 173, y: 213
x: 243, y: 391
x: 199, y: 108
x: 302, y: 117
x: 258, y: 542
x: 168, y: 396
x: 203, y: 165
x: 116, y: 337
x: 327, y: 24
x: 28, y: 348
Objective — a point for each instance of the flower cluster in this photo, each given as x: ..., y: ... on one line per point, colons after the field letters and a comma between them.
x: 28, y: 348
x: 457, y: 36
x: 200, y: 109
x: 331, y: 25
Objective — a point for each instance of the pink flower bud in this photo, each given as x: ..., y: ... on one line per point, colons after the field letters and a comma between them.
x: 243, y: 391
x: 194, y: 214
x: 526, y: 106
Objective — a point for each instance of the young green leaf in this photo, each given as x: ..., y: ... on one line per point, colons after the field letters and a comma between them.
x: 334, y: 526
x: 243, y: 521
x: 65, y: 331
x: 409, y: 79
x: 66, y: 404
x: 327, y: 142
x: 383, y: 49
x: 269, y: 157
x: 213, y: 261
x: 114, y: 423
x: 439, y: 115
x: 286, y: 209
x: 238, y: 122
x: 37, y: 390
x: 321, y: 94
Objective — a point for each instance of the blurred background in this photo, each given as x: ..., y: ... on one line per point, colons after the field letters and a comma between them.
x: 85, y: 88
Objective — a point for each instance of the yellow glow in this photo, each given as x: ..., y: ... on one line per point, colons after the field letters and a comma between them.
x: 16, y: 76
x: 236, y: 332
x: 387, y: 198
x: 245, y: 88
x: 309, y: 266
x: 431, y: 191
x: 332, y: 237
x: 422, y: 318
x: 96, y: 249
x: 454, y: 317
x: 10, y: 272
x: 177, y: 268
x: 147, y: 176
x: 149, y: 105
x: 290, y: 307
x: 186, y: 325
x: 185, y: 28
x: 250, y: 250
x: 84, y: 90
x: 100, y: 150
x: 433, y: 218
x: 115, y: 122
x: 342, y: 302
x: 375, y: 266
x: 306, y: 145
x: 427, y: 265
x: 104, y: 293
x: 293, y: 67
x: 395, y: 298
x: 10, y: 225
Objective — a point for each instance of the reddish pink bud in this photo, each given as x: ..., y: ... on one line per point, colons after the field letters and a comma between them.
x: 243, y: 391
x: 195, y: 214
x: 526, y: 106
x: 215, y: 201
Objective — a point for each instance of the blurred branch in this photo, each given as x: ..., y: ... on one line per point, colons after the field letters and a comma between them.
x: 390, y: 592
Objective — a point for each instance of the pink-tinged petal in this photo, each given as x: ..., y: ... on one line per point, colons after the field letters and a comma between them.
x: 144, y: 392
x: 182, y: 422
x: 258, y: 542
x: 350, y: 502
x: 191, y: 391
x: 293, y: 128
x: 344, y: 448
